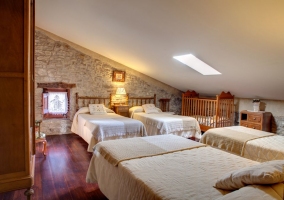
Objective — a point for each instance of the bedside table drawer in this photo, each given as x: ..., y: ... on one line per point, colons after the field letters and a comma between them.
x: 123, y: 109
x: 251, y: 125
x: 255, y: 126
x: 245, y: 124
x: 254, y: 118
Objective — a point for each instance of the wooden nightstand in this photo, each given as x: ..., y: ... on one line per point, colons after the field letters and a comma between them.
x: 256, y: 120
x: 121, y: 110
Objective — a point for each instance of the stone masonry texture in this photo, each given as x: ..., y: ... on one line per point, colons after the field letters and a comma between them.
x: 57, y: 61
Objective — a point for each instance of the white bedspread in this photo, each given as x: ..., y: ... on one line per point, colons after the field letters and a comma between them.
x: 96, y: 128
x: 186, y: 174
x: 166, y: 123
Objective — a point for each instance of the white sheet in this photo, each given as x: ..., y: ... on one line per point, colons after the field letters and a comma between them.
x: 96, y: 128
x: 167, y: 123
x: 187, y: 174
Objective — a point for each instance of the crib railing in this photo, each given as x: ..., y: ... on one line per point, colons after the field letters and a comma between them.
x: 210, y: 113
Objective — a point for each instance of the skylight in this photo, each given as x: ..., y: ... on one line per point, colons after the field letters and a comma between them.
x: 196, y: 64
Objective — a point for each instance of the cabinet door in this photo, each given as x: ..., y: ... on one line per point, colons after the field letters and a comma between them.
x: 15, y: 89
x: 32, y: 77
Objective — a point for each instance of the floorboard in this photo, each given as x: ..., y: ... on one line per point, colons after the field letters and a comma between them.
x: 61, y: 174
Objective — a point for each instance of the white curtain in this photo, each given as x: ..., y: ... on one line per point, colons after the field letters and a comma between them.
x: 57, y: 103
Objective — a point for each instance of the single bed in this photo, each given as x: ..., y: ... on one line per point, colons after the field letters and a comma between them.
x: 159, y: 123
x: 250, y: 143
x: 209, y: 112
x: 103, y: 125
x: 184, y: 169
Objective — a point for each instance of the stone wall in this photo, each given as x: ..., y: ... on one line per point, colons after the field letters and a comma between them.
x: 59, y: 60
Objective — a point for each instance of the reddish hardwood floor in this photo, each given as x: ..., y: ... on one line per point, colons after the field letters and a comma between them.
x: 61, y: 174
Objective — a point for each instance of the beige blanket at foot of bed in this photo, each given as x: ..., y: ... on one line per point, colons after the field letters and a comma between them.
x: 231, y: 139
x: 116, y: 151
x: 259, y: 192
x: 265, y: 149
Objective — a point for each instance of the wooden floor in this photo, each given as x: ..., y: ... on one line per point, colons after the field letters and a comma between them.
x: 61, y: 174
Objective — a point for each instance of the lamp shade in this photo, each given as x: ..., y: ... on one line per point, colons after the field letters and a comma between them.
x: 120, y: 91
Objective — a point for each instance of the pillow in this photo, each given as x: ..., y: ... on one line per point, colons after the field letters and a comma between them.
x: 159, y: 110
x: 109, y: 110
x: 264, y: 173
x: 150, y: 108
x: 97, y: 109
x: 136, y: 109
x: 83, y: 110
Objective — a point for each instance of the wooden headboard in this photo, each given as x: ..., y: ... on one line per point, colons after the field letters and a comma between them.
x: 84, y: 101
x: 139, y: 101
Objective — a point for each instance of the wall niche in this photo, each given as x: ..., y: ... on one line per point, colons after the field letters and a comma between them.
x: 55, y: 107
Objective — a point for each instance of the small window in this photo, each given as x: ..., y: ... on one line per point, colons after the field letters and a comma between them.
x: 55, y: 103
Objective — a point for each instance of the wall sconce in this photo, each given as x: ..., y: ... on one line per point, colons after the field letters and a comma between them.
x: 119, y: 93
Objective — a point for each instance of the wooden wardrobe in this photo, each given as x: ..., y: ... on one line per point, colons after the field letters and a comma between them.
x: 16, y: 95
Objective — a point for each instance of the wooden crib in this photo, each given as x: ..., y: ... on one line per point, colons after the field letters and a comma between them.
x: 209, y: 112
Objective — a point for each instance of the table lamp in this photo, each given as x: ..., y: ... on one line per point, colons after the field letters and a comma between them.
x: 119, y: 93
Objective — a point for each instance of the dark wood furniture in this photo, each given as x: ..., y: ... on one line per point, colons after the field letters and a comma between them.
x: 256, y: 120
x: 121, y: 110
x: 17, y: 135
x: 165, y: 105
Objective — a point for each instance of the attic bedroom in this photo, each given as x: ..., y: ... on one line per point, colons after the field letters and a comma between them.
x: 90, y: 80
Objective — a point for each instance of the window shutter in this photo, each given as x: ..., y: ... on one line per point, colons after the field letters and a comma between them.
x: 44, y: 103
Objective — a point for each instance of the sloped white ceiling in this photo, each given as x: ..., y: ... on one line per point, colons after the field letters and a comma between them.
x: 242, y: 39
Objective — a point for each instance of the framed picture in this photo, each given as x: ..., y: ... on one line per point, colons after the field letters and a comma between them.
x: 118, y: 76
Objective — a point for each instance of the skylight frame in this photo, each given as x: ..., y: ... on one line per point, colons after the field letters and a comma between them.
x: 197, y: 64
